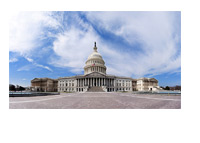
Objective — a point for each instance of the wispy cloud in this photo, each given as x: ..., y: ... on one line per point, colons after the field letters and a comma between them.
x: 33, y: 65
x: 13, y: 60
x: 25, y: 68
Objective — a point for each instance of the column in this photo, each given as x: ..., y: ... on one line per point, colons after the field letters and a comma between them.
x: 99, y: 81
x: 81, y: 82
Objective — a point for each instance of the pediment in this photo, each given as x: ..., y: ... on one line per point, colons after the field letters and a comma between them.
x: 95, y: 74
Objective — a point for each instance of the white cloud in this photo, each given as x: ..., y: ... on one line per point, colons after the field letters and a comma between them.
x: 29, y: 59
x: 27, y: 33
x: 13, y: 60
x: 26, y: 30
x: 73, y: 47
x: 157, y: 33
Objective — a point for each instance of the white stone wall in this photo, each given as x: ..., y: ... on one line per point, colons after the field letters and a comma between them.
x: 143, y: 85
x: 67, y: 85
x: 123, y: 84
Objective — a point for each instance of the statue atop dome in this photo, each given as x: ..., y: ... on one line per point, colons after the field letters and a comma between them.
x: 95, y: 47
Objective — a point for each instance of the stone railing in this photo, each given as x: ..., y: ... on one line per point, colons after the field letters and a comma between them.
x: 104, y: 88
x: 85, y: 88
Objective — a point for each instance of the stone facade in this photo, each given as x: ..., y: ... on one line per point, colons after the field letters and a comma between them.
x: 44, y: 85
x: 147, y: 84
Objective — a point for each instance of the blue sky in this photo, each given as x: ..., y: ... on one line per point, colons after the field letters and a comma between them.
x: 57, y: 44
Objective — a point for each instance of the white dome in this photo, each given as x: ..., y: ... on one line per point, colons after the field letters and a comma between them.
x: 95, y: 55
x: 95, y: 63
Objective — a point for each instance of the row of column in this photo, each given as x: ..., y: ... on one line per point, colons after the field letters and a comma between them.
x: 95, y: 82
x: 98, y: 69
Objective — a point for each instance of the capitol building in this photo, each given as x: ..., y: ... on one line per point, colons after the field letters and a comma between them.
x: 95, y: 79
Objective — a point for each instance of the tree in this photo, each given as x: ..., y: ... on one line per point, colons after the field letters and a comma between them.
x: 177, y: 87
x: 12, y: 87
x: 167, y: 88
x: 19, y: 88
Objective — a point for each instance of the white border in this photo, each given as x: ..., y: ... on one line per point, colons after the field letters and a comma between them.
x: 112, y: 126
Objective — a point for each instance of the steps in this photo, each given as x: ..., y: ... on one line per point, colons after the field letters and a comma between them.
x: 95, y: 89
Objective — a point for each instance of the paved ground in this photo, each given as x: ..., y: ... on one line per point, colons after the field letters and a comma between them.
x: 97, y: 101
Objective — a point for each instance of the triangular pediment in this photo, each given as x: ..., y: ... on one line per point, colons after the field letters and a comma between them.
x: 95, y: 74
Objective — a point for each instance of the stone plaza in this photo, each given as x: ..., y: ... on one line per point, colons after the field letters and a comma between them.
x: 98, y: 100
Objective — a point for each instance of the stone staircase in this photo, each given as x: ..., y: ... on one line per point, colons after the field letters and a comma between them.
x: 95, y: 89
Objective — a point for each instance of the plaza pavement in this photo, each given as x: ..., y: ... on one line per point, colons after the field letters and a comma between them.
x: 97, y: 101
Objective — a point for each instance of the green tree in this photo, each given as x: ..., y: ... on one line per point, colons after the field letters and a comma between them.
x: 12, y: 87
x: 167, y: 88
x: 21, y: 88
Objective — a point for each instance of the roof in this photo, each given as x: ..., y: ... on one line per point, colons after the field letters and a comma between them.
x: 42, y: 79
x: 148, y: 79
